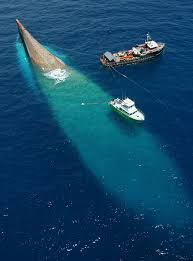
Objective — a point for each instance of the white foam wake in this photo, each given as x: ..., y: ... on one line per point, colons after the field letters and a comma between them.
x: 58, y: 75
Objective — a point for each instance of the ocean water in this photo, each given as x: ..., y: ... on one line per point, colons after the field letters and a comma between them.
x: 77, y: 181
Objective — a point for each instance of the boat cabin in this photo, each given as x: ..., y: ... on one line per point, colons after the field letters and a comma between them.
x: 128, y: 106
x: 109, y: 56
x: 150, y: 43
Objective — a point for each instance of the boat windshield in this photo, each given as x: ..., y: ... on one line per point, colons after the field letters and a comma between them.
x: 129, y: 109
x: 133, y: 112
x: 126, y: 106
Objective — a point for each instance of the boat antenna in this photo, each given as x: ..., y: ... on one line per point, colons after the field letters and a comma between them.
x: 148, y: 37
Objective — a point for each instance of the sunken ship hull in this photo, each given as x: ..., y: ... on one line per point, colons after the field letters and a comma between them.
x: 38, y: 54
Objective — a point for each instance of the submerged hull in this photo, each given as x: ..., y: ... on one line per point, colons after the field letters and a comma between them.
x: 38, y: 54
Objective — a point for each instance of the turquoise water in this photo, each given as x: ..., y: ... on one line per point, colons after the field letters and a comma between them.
x: 78, y: 182
x: 130, y: 163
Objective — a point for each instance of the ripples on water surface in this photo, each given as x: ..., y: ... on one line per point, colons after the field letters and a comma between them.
x: 77, y: 182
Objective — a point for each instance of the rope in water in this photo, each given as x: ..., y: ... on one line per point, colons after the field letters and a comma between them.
x: 139, y: 85
x: 165, y: 105
x: 92, y: 103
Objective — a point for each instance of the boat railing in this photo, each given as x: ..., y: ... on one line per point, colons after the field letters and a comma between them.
x: 140, y: 111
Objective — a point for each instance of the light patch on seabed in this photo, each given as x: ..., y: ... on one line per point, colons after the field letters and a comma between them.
x: 129, y: 165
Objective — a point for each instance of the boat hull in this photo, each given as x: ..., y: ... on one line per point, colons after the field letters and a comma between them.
x: 135, y: 60
x: 124, y: 114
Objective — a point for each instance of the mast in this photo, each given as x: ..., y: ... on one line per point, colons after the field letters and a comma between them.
x: 148, y: 37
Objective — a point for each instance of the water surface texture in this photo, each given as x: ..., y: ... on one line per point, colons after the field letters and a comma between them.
x: 77, y: 181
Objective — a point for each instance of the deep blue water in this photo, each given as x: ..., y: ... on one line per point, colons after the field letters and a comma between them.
x: 97, y: 189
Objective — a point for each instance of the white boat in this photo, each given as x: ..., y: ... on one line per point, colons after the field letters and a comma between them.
x: 126, y: 107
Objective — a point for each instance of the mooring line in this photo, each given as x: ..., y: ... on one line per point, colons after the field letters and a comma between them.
x: 92, y: 103
x: 139, y: 85
x: 154, y: 97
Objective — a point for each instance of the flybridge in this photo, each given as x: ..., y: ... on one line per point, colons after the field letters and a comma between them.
x: 139, y: 53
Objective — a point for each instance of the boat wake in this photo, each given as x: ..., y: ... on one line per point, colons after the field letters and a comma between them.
x: 58, y: 75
